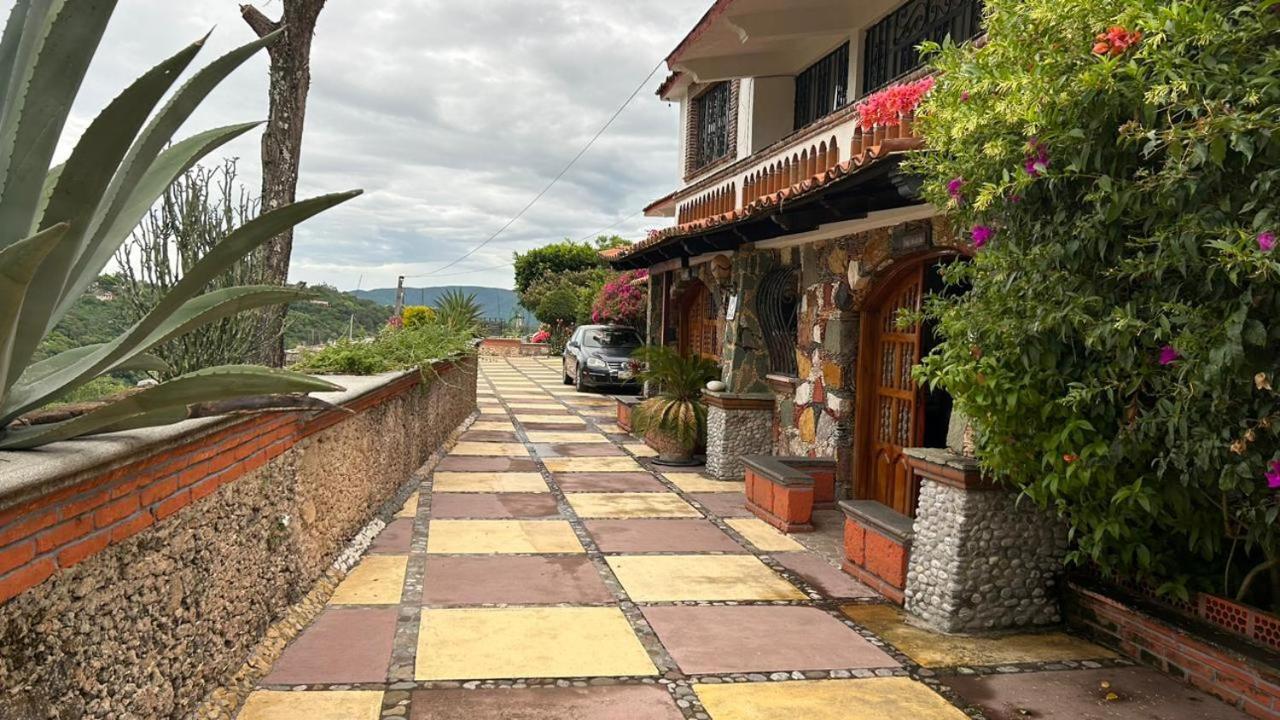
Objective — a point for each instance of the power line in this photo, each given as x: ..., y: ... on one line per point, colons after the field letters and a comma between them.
x: 603, y: 230
x: 559, y: 175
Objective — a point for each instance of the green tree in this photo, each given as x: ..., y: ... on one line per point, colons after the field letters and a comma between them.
x: 609, y: 242
x: 559, y: 307
x: 1115, y: 165
x: 556, y: 258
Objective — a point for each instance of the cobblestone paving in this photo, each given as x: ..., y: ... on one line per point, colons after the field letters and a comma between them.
x: 547, y: 570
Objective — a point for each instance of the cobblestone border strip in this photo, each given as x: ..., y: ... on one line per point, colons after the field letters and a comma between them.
x: 223, y: 703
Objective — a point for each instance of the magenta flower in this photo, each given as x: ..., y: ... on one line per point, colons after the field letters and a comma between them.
x: 1273, y: 475
x: 955, y: 189
x: 964, y: 96
x: 1037, y: 158
x: 1266, y: 241
x: 1169, y: 354
x: 981, y: 234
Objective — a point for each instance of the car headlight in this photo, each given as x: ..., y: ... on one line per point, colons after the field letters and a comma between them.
x: 596, y: 362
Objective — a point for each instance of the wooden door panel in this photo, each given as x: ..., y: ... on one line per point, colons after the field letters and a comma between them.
x: 892, y: 416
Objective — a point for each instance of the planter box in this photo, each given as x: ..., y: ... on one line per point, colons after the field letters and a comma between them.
x: 626, y: 404
x: 877, y: 547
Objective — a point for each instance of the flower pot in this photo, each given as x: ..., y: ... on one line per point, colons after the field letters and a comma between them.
x: 670, y: 450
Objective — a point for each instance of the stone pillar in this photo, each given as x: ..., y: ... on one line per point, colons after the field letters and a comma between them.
x: 737, y: 424
x: 980, y: 560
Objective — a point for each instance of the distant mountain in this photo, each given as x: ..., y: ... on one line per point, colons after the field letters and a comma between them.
x: 498, y: 303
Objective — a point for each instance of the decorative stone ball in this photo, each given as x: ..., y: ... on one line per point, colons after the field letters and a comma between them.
x: 716, y: 386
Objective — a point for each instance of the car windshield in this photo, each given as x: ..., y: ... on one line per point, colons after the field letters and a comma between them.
x: 611, y: 338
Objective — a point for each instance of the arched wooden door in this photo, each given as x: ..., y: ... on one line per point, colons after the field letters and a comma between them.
x: 891, y: 413
x: 698, y: 326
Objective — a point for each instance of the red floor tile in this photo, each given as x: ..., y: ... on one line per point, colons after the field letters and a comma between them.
x: 343, y: 645
x: 727, y: 639
x: 725, y: 505
x: 646, y: 702
x: 660, y: 535
x: 608, y: 482
x: 460, y: 463
x: 394, y: 538
x: 488, y: 436
x: 520, y: 580
x: 830, y: 580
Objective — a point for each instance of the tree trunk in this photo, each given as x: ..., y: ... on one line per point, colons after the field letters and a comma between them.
x: 281, y: 147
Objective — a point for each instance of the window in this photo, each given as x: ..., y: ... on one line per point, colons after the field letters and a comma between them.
x: 711, y: 113
x: 823, y: 87
x: 778, y: 307
x: 612, y: 338
x: 891, y: 43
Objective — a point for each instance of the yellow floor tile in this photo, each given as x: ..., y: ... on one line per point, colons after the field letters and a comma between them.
x: 488, y: 643
x: 410, y: 508
x: 492, y: 425
x: 594, y: 401
x: 552, y: 436
x: 593, y: 464
x: 763, y: 536
x: 933, y: 649
x: 495, y: 537
x: 375, y: 580
x: 640, y: 450
x: 631, y: 505
x: 488, y: 482
x: 693, y: 482
x: 558, y: 419
x: 670, y: 578
x: 518, y: 406
x: 526, y: 397
x: 313, y: 705
x: 496, y: 449
x: 888, y: 698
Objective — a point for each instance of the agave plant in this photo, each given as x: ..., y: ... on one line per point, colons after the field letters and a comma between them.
x: 675, y: 420
x: 60, y: 225
x: 460, y: 311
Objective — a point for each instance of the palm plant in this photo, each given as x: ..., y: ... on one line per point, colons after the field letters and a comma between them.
x: 59, y: 226
x: 459, y: 311
x: 675, y: 420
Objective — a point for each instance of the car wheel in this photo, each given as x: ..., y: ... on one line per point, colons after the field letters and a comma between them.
x: 563, y: 369
x: 580, y: 383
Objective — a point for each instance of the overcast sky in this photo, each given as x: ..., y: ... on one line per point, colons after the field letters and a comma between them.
x: 451, y: 116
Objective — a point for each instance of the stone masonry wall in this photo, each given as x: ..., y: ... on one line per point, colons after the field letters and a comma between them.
x: 190, y: 551
x: 980, y: 561
x: 733, y: 433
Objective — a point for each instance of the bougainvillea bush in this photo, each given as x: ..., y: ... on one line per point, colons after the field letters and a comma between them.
x: 1115, y: 165
x: 623, y: 300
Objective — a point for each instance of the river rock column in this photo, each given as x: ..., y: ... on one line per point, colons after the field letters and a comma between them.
x: 738, y: 424
x: 981, y: 561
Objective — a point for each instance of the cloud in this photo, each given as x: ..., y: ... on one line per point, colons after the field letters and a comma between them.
x: 451, y: 116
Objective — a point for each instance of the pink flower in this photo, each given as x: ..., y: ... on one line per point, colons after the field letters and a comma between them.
x: 955, y: 189
x: 1266, y: 241
x: 1169, y: 354
x: 981, y: 234
x: 1273, y: 475
x: 964, y: 96
x: 1037, y: 158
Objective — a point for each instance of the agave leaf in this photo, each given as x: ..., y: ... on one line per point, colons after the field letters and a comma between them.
x: 10, y: 42
x: 73, y: 190
x: 138, y: 163
x: 45, y: 82
x: 18, y: 265
x: 30, y: 393
x: 144, y: 362
x: 168, y: 401
x: 99, y: 249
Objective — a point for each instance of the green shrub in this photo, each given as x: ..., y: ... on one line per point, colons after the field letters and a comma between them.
x: 1116, y: 165
x: 392, y: 349
x: 559, y: 307
x: 417, y: 316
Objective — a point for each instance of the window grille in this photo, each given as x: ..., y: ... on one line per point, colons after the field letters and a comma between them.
x: 778, y: 307
x: 891, y: 43
x: 822, y: 88
x: 712, y: 110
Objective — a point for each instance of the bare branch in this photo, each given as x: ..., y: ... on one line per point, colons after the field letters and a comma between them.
x: 261, y: 24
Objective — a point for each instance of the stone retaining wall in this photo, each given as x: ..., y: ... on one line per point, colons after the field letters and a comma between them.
x: 136, y: 576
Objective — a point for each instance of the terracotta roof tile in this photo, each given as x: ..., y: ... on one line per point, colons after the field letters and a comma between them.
x: 869, y: 156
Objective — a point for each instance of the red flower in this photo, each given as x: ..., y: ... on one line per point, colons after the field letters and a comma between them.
x: 887, y: 106
x: 1115, y: 41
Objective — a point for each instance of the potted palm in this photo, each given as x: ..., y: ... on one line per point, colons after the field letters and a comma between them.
x: 673, y: 422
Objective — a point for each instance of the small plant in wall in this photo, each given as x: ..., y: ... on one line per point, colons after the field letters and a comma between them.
x: 674, y: 422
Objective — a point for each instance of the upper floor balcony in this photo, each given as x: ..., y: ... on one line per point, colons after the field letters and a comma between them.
x: 769, y: 93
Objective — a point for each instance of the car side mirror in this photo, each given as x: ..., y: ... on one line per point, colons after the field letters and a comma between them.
x: 571, y: 344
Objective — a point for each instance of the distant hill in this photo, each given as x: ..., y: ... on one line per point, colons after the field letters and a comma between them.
x: 498, y: 303
x: 331, y: 315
